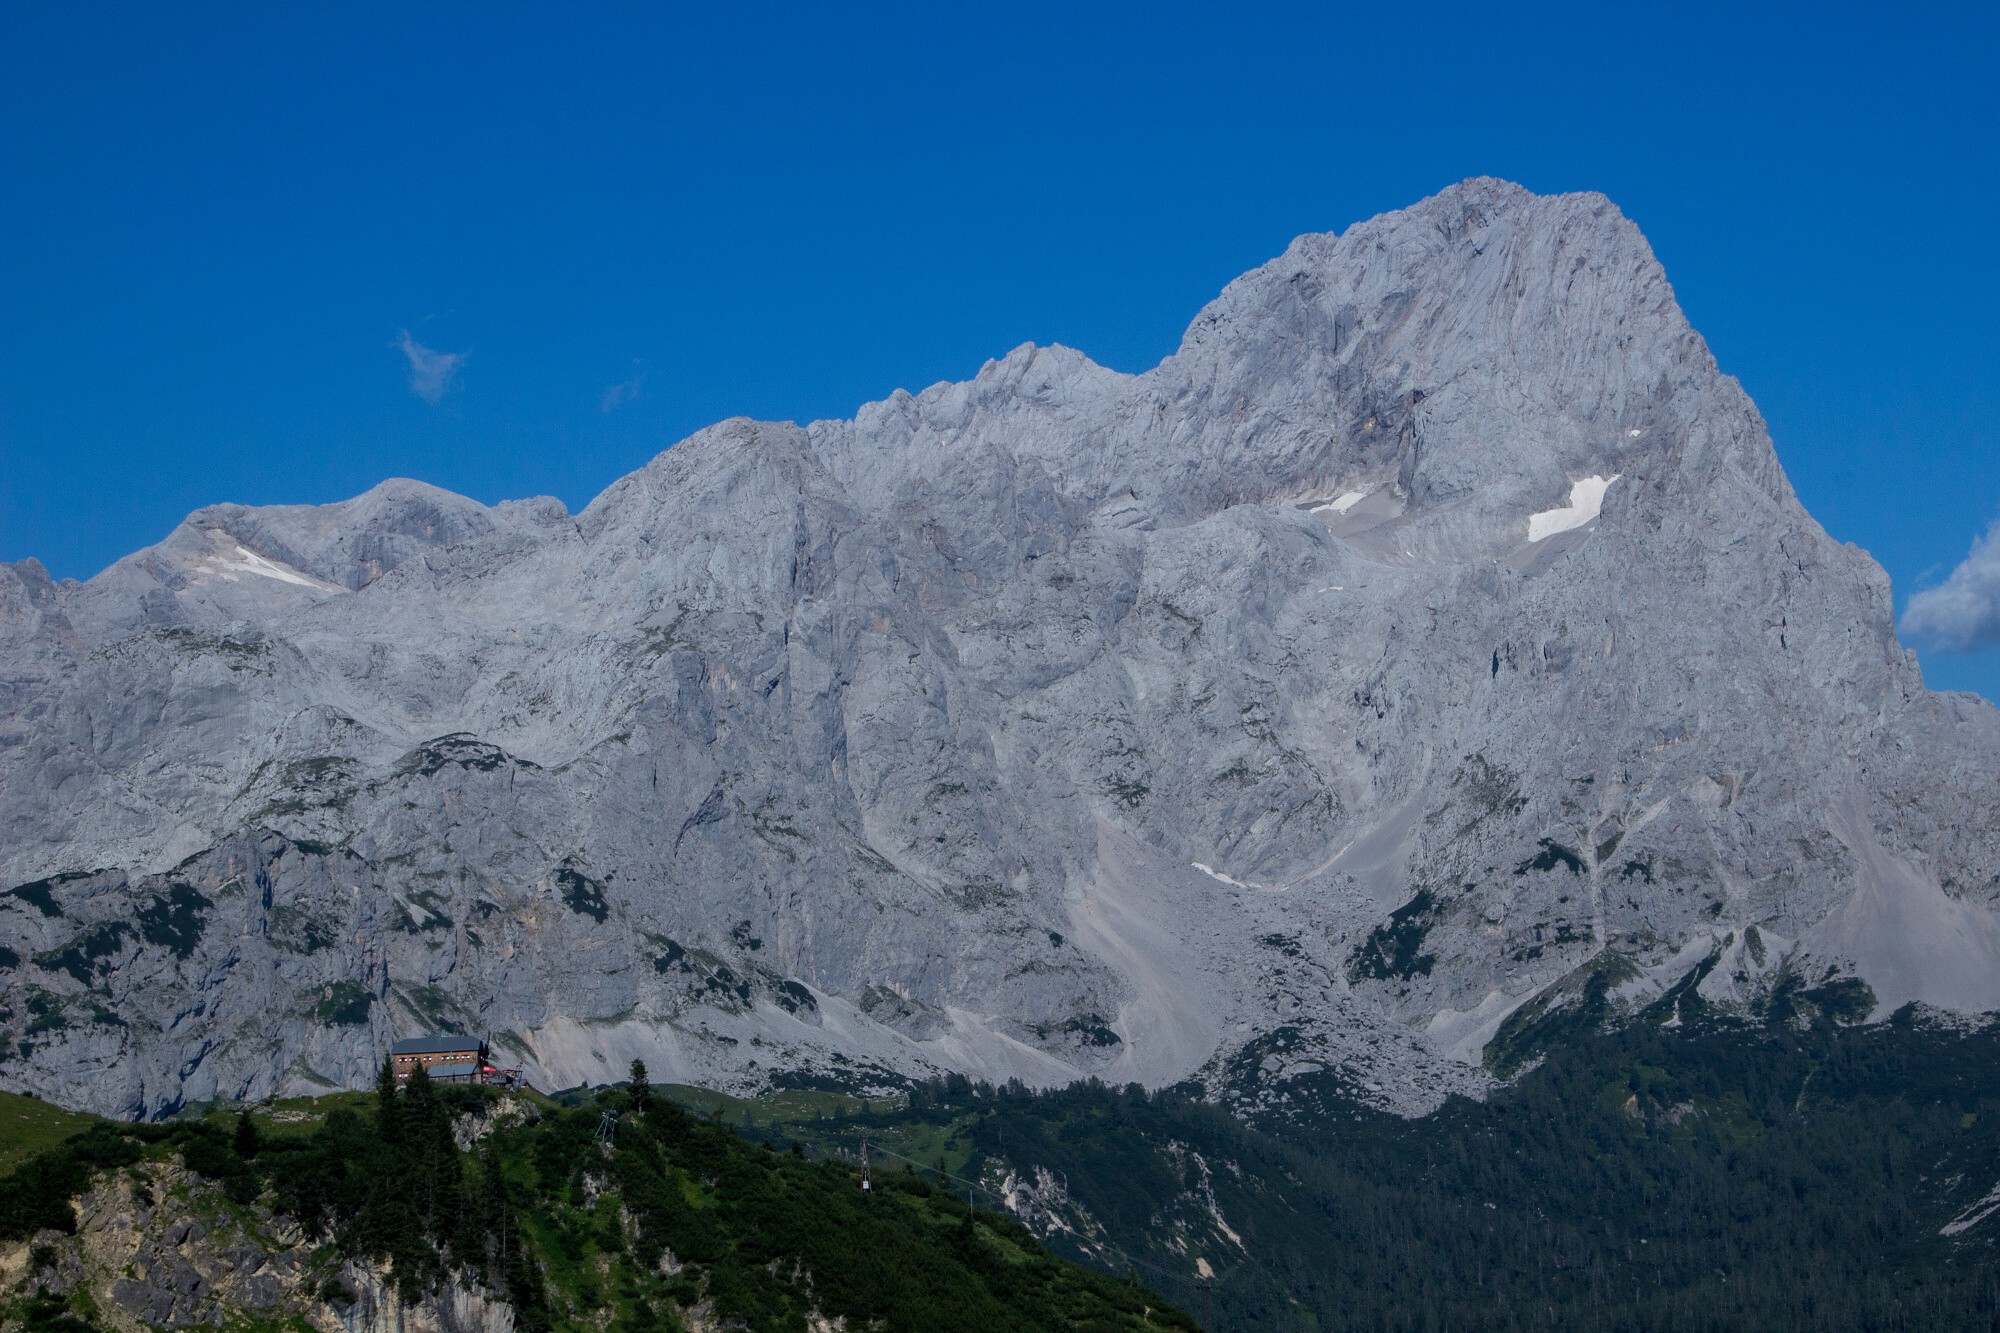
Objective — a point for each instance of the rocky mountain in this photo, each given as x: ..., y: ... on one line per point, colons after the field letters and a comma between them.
x: 1435, y: 627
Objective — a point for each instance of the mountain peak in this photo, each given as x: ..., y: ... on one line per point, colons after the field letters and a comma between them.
x: 1432, y: 632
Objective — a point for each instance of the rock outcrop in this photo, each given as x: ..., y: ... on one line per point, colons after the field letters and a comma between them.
x: 158, y: 1247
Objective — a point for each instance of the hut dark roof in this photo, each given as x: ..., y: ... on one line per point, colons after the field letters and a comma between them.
x: 434, y: 1045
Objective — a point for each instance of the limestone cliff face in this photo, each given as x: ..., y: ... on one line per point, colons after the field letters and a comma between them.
x: 1435, y: 621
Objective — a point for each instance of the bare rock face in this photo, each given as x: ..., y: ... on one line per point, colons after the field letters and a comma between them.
x: 1435, y: 623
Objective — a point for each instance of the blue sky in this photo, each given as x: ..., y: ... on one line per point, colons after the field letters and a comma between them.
x: 219, y: 223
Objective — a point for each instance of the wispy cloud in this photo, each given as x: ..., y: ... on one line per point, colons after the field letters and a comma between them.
x: 622, y: 392
x: 431, y: 371
x: 1963, y: 612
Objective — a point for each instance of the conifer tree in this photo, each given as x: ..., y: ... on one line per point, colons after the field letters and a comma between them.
x: 640, y: 1089
x: 419, y: 1103
x: 388, y: 1125
x: 247, y: 1138
x: 424, y: 1124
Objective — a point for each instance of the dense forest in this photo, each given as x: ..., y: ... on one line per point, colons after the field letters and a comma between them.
x: 1712, y: 1175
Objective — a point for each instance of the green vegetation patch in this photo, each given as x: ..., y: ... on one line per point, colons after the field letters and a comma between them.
x: 175, y: 919
x: 459, y: 750
x: 29, y: 1126
x: 298, y: 931
x: 1705, y: 1175
x: 1679, y: 1171
x: 794, y: 997
x: 1393, y: 951
x: 47, y: 1312
x: 1086, y: 1029
x: 83, y: 957
x: 774, y: 1108
x: 1572, y: 1009
x: 344, y: 1003
x: 572, y: 1214
x: 1553, y: 854
x: 1844, y: 1001
x: 36, y: 1195
x: 582, y: 894
x: 432, y: 1006
x: 1129, y: 792
x: 40, y: 894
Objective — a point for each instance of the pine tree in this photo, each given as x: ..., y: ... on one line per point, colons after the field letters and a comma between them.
x: 388, y: 1121
x: 419, y: 1103
x: 247, y: 1138
x: 640, y: 1089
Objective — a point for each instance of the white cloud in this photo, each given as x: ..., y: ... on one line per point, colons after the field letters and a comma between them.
x: 431, y: 372
x: 622, y: 392
x: 1963, y: 612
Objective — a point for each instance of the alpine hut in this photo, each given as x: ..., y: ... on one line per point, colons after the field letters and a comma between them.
x: 446, y: 1059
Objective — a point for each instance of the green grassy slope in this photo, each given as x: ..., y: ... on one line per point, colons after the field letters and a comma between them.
x: 29, y: 1126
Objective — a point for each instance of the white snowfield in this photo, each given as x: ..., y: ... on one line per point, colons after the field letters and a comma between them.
x: 243, y: 560
x: 1586, y: 498
x: 1048, y: 725
x: 1342, y: 503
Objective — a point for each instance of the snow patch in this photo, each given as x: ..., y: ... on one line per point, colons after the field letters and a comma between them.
x: 1343, y: 503
x: 1215, y: 874
x: 1586, y: 497
x: 243, y: 560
